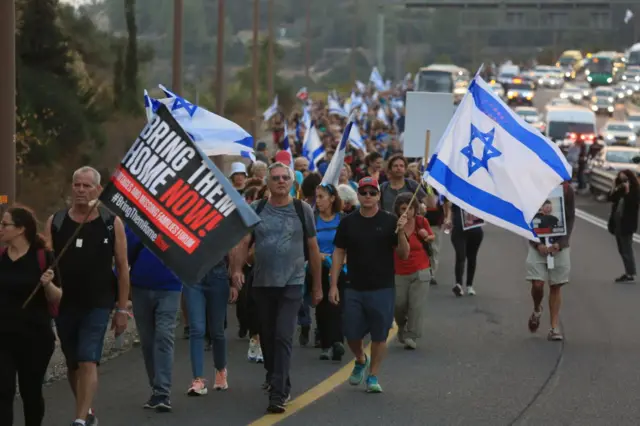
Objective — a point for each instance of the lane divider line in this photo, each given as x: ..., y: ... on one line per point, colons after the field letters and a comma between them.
x: 319, y: 390
x: 601, y: 223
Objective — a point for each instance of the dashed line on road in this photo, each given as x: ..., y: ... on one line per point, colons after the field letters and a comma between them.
x: 601, y: 223
x: 318, y: 391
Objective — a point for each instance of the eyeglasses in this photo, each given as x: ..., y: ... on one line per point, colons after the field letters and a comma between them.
x: 371, y: 193
x: 285, y: 178
x: 6, y: 224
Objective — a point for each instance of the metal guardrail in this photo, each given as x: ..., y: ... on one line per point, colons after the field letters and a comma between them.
x: 601, y: 180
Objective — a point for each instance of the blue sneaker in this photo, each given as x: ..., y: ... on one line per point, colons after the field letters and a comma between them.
x: 372, y: 385
x: 358, y: 372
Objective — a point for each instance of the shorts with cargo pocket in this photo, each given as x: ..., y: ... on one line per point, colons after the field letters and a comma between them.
x: 538, y: 270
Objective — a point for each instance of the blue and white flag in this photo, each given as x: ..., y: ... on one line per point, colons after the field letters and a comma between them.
x: 493, y: 164
x: 377, y: 80
x: 361, y: 86
x: 271, y: 111
x: 335, y: 108
x: 332, y: 175
x: 285, y: 142
x: 355, y: 138
x: 213, y: 134
x: 312, y: 148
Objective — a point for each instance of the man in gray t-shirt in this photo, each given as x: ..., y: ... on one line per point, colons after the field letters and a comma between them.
x: 279, y: 274
x: 279, y: 245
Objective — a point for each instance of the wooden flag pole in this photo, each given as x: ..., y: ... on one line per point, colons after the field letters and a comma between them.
x: 426, y: 150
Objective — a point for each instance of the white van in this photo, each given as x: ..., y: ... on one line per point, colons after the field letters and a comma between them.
x: 564, y: 124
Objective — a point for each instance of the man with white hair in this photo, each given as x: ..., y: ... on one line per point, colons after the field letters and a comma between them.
x: 284, y: 239
x: 90, y: 288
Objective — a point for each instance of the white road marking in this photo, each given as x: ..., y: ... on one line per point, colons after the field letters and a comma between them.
x: 599, y: 222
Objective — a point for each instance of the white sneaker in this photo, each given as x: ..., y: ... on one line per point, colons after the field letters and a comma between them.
x: 458, y: 290
x: 410, y: 344
x: 471, y: 291
x: 259, y: 357
x: 252, y: 354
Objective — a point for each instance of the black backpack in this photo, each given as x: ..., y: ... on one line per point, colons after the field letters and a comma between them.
x: 297, y: 204
x: 107, y: 217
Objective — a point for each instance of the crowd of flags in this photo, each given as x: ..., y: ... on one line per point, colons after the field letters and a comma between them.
x: 489, y: 161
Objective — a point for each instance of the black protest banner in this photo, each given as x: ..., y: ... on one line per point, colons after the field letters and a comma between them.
x: 176, y: 201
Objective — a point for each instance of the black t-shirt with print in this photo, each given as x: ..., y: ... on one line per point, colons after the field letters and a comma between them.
x: 17, y: 280
x: 369, y: 243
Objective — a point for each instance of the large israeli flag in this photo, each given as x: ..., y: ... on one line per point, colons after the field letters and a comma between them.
x: 214, y: 134
x: 493, y: 164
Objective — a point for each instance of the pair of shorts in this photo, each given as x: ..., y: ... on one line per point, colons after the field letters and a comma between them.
x: 368, y: 312
x: 538, y: 270
x: 82, y: 335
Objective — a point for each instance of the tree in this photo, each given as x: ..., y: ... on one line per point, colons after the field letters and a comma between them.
x: 41, y: 42
x: 118, y: 74
x: 131, y: 61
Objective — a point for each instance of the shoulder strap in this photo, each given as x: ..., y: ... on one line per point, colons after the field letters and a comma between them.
x: 58, y: 220
x: 109, y: 219
x: 261, y: 206
x: 297, y: 204
x: 42, y: 259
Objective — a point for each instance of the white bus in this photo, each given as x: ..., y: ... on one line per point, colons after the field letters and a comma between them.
x: 443, y: 79
x: 566, y: 123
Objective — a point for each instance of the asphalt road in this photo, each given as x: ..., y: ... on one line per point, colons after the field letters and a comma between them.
x: 477, y: 363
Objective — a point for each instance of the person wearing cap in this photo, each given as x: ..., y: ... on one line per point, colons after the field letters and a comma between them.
x: 367, y: 238
x: 238, y: 176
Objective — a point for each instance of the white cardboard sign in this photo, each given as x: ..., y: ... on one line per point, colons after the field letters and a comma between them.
x: 426, y: 111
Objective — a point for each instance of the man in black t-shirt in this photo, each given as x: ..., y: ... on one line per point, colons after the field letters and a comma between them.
x: 368, y: 239
x: 90, y: 291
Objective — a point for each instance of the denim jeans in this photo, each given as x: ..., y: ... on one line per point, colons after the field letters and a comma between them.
x: 304, y: 313
x: 155, y: 314
x: 207, y: 304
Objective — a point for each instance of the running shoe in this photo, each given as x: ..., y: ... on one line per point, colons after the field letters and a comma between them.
x: 555, y: 334
x: 625, y: 278
x: 373, y: 386
x: 198, y: 388
x: 457, y: 290
x: 254, y: 347
x: 470, y: 291
x: 534, y: 320
x: 358, y: 372
x: 221, y: 380
x: 337, y: 351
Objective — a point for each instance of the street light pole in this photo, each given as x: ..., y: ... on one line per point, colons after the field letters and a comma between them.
x: 7, y: 102
x: 177, y: 47
x: 270, y: 49
x: 220, y: 60
x: 255, y: 66
x: 307, y: 55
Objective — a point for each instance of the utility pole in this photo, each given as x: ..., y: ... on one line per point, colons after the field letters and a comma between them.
x: 354, y: 33
x: 270, y: 49
x: 177, y: 47
x: 220, y: 60
x: 307, y: 56
x: 7, y: 102
x: 254, y: 66
x: 380, y: 41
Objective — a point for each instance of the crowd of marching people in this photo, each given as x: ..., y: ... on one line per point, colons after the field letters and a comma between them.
x: 340, y: 261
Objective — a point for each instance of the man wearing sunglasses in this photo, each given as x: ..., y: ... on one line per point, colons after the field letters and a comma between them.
x: 368, y: 238
x: 279, y: 275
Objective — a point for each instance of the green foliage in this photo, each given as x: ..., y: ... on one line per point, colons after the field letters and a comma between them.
x: 63, y: 95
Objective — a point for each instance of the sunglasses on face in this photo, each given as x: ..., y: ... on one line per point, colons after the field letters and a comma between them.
x: 282, y: 177
x: 371, y: 192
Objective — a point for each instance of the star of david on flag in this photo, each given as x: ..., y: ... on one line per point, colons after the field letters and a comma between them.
x: 488, y: 152
x: 493, y: 164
